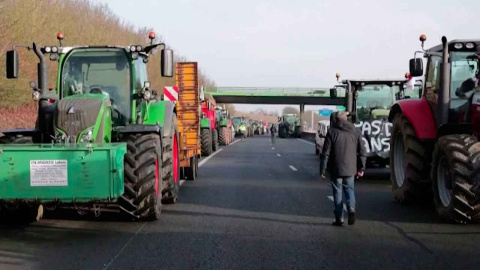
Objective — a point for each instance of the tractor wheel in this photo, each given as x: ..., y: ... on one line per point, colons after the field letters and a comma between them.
x: 409, y: 163
x: 282, y: 132
x: 215, y: 140
x: 143, y: 178
x: 191, y: 172
x: 171, y: 167
x: 455, y: 178
x: 223, y: 136
x: 206, y: 136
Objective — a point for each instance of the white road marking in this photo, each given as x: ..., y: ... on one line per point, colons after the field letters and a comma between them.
x: 331, y: 199
x: 278, y: 155
x: 181, y: 182
x: 234, y: 142
x: 209, y: 157
x: 293, y: 168
x: 126, y: 244
x: 305, y: 141
x: 273, y: 148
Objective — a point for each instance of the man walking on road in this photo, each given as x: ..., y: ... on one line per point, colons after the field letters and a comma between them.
x: 343, y: 145
x: 273, y: 130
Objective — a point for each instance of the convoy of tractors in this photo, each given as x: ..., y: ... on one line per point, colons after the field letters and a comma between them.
x: 105, y: 141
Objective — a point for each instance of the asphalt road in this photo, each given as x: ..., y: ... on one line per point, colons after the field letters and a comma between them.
x: 255, y: 206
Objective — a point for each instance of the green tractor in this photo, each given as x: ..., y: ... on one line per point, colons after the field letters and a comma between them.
x: 103, y: 140
x: 237, y: 121
x: 289, y: 126
x: 369, y: 103
x: 224, y: 126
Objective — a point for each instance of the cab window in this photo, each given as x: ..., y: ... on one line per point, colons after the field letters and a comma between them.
x: 140, y: 73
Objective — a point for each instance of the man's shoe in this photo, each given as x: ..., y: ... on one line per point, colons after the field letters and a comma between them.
x: 337, y: 222
x: 351, y: 218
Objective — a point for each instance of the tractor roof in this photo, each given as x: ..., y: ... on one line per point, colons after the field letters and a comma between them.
x: 439, y: 47
x: 210, y: 98
x: 374, y: 81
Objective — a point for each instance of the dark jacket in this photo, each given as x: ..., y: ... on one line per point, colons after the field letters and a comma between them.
x: 273, y: 129
x: 342, y: 149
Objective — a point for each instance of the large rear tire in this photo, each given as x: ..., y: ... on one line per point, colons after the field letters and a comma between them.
x: 282, y: 132
x: 143, y: 178
x: 171, y: 166
x: 409, y: 163
x: 455, y: 178
x: 215, y: 140
x: 206, y: 140
x: 223, y: 136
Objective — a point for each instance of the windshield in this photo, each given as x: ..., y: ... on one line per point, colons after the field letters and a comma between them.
x: 374, y: 97
x: 290, y: 118
x: 99, y: 71
x: 236, y: 121
x: 464, y: 77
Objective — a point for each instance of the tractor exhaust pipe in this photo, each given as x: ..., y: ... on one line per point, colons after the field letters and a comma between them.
x: 42, y: 69
x: 444, y: 93
x: 45, y: 109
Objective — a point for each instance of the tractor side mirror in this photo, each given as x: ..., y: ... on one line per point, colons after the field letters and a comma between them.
x: 333, y: 93
x: 166, y: 63
x: 416, y: 67
x: 12, y: 64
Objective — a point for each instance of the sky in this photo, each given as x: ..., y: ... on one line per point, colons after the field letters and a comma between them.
x: 300, y: 43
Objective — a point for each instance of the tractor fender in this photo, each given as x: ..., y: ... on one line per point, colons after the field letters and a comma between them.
x: 418, y: 112
x: 205, y: 123
x: 170, y: 111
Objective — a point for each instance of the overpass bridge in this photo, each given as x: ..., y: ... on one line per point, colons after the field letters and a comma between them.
x: 274, y: 95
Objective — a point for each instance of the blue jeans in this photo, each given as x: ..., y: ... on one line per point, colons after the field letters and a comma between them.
x: 345, y: 186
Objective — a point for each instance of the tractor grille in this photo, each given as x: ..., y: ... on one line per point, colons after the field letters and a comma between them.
x: 77, y: 114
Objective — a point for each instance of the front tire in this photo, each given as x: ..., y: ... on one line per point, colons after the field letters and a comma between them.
x: 223, y: 136
x: 455, y: 179
x: 409, y: 163
x: 206, y: 140
x: 143, y: 178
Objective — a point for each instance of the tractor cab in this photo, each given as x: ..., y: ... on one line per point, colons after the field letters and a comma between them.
x: 96, y: 87
x: 369, y: 103
x: 462, y: 82
x: 372, y: 99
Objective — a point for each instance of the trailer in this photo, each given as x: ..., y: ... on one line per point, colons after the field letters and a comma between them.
x: 188, y: 113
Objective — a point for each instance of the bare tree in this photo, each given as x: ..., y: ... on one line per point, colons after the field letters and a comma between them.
x: 291, y: 110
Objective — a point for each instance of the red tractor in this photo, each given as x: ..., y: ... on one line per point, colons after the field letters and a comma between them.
x: 434, y: 143
x: 208, y: 128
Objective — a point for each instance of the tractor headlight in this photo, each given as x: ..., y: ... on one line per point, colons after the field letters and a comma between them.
x: 36, y: 95
x: 458, y: 46
x: 133, y: 48
x: 147, y: 95
x: 54, y: 49
x: 87, y: 136
x: 48, y: 49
